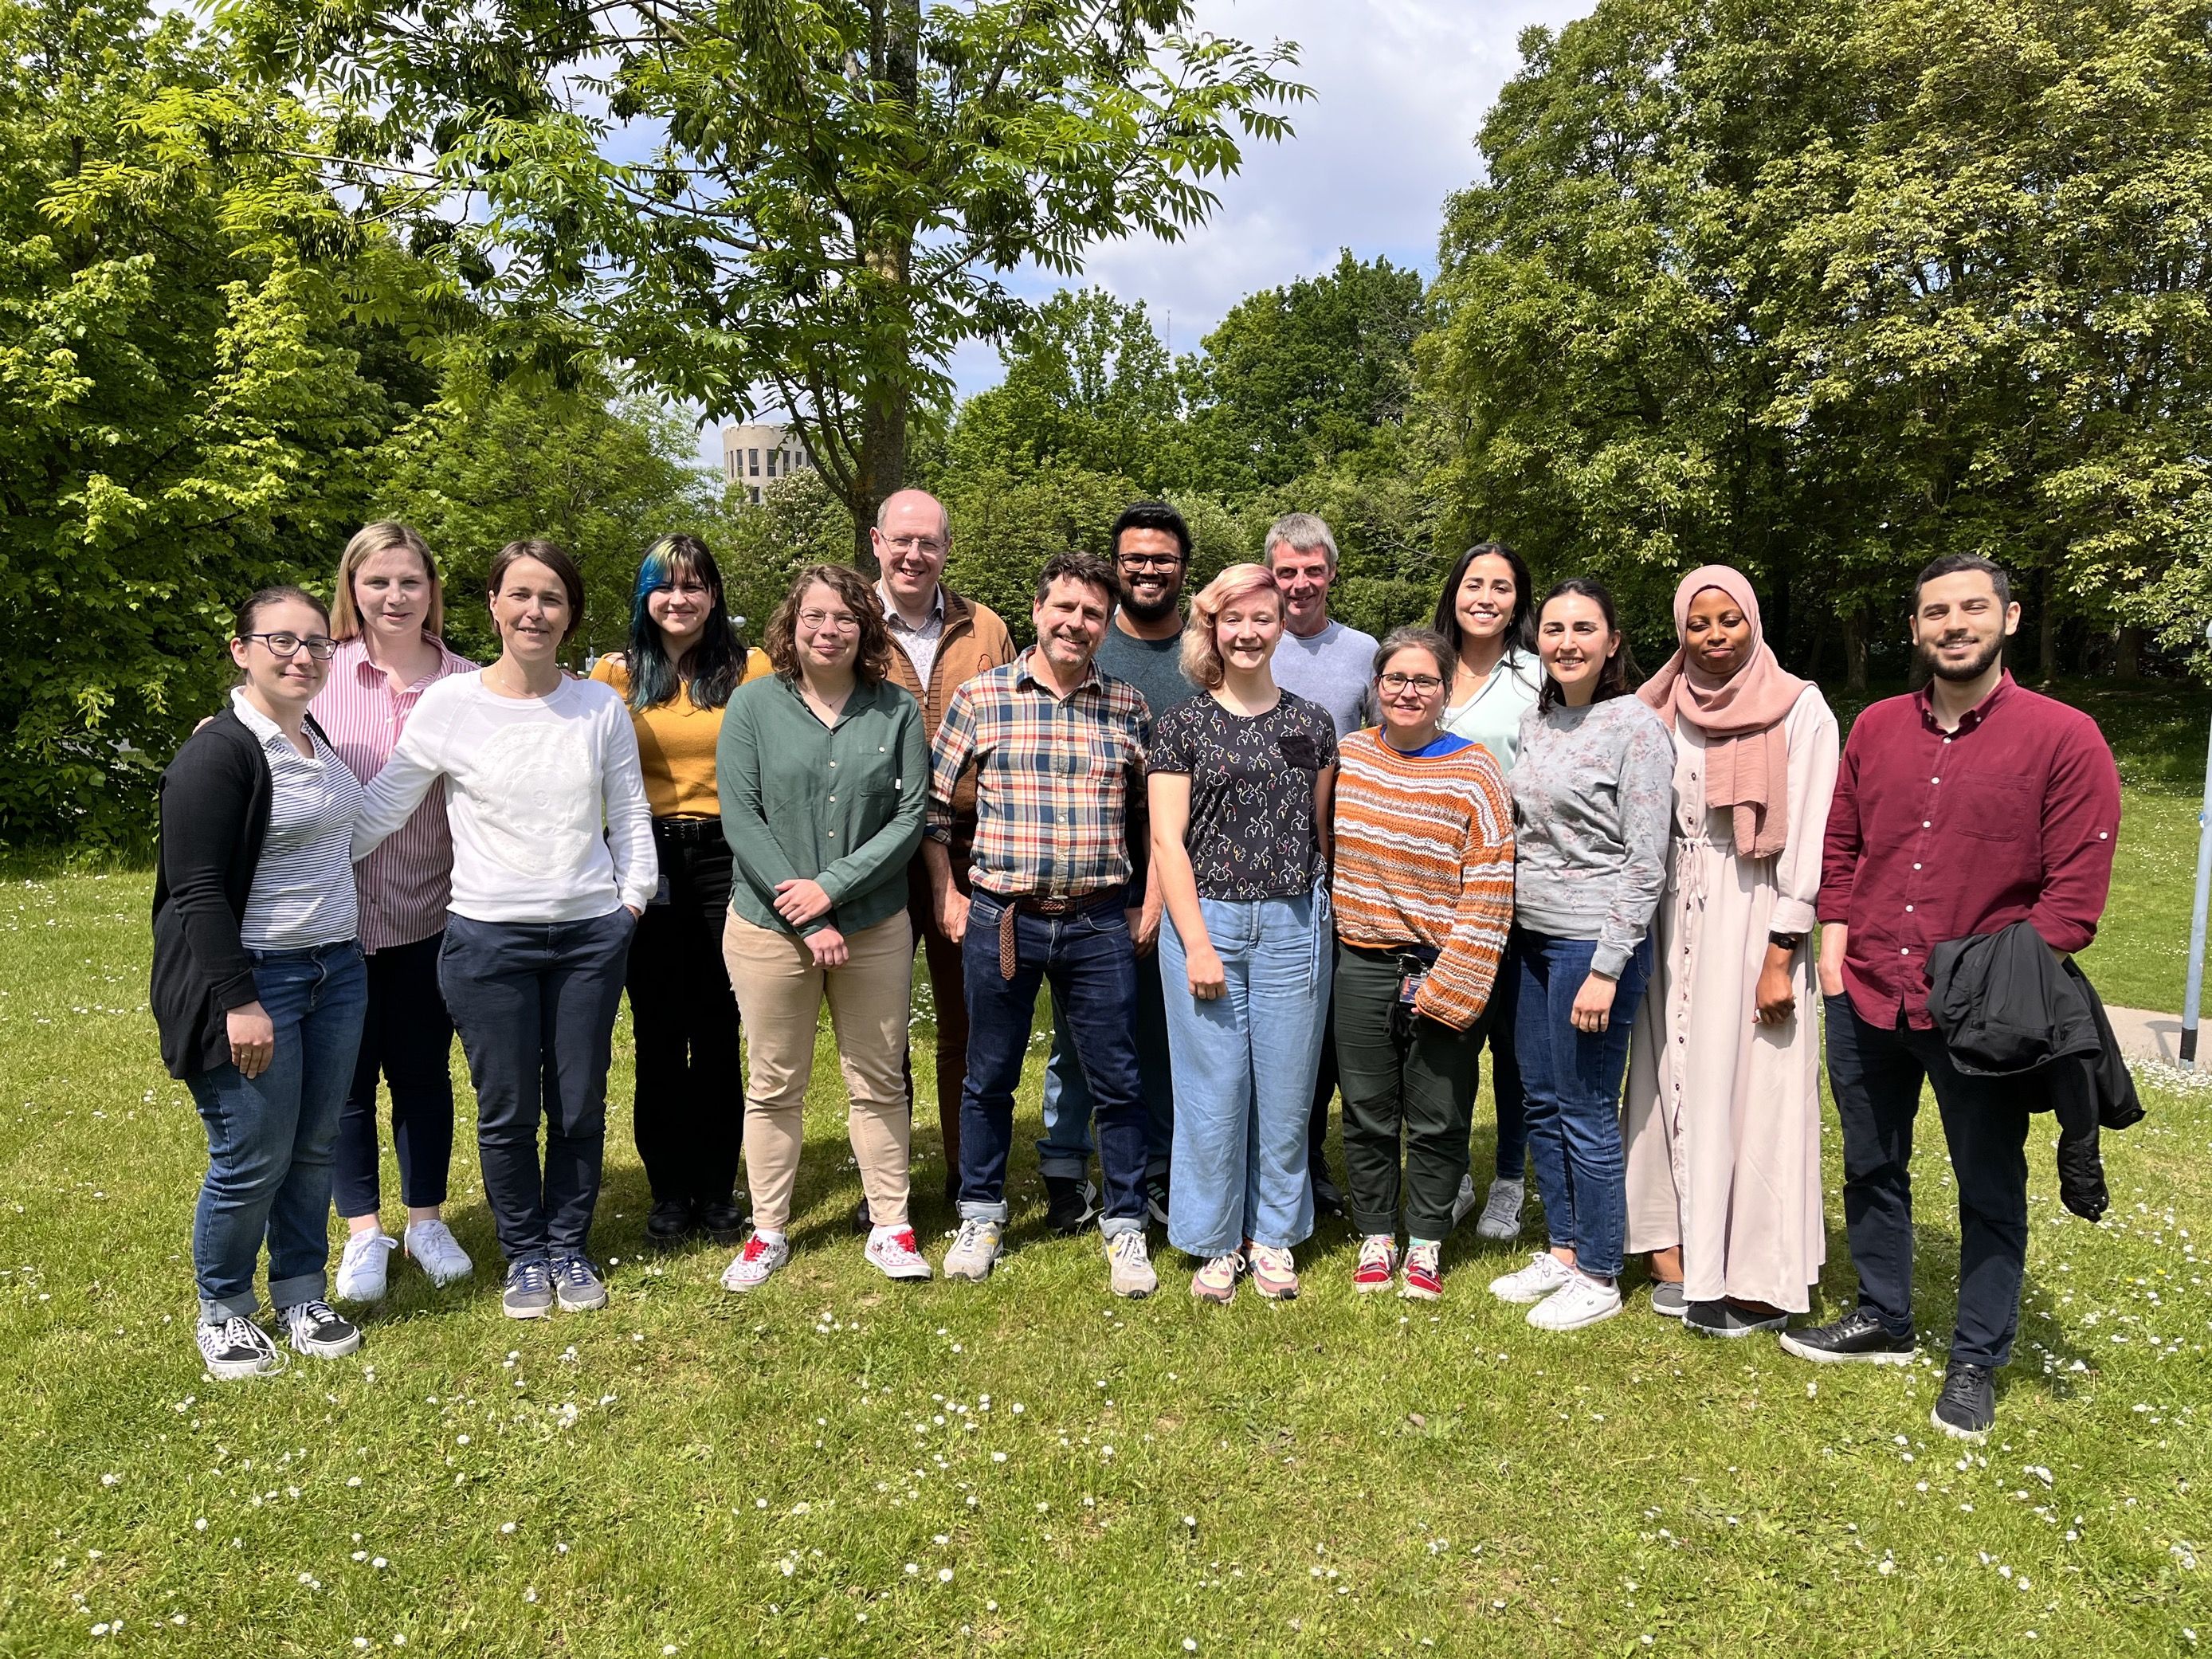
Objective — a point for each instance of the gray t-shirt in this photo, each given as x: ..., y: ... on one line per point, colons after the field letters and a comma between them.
x: 1593, y: 794
x: 1153, y: 666
x: 1335, y: 668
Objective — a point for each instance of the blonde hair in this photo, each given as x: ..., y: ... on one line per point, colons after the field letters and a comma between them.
x: 1201, y: 651
x: 385, y: 536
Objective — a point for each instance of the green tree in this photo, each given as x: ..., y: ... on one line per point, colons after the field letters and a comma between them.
x: 826, y: 192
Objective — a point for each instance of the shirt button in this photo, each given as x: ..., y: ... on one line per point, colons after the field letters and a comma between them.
x: 1904, y: 953
x: 1946, y: 740
x: 833, y: 766
x: 1916, y: 867
x: 1908, y: 910
x: 833, y: 801
x: 1935, y: 780
x: 1924, y: 824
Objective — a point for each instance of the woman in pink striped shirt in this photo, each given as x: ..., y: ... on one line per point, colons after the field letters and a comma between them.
x: 389, y: 613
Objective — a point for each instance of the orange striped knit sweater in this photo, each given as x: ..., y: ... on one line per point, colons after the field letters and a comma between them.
x: 1424, y: 854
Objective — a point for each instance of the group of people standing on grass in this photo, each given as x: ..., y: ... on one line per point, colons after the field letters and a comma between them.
x: 1258, y: 859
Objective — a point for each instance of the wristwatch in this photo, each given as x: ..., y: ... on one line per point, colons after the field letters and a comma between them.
x: 1787, y: 941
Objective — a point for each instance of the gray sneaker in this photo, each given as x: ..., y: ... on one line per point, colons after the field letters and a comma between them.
x: 1667, y: 1298
x: 529, y: 1293
x: 577, y: 1285
x: 1500, y: 1221
x: 1129, y: 1264
x: 975, y: 1250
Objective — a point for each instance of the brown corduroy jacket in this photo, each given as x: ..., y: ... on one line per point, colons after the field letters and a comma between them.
x: 975, y: 641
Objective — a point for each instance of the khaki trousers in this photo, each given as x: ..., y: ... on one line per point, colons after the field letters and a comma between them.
x: 780, y: 994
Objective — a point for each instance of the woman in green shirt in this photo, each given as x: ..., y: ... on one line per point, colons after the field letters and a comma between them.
x: 822, y: 772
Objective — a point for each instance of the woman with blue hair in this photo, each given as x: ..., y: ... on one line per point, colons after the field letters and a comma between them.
x: 686, y: 657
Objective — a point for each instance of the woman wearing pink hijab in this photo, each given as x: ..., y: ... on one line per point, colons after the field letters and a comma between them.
x: 1721, y: 1123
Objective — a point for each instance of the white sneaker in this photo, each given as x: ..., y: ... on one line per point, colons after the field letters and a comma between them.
x: 1129, y: 1264
x: 362, y: 1265
x: 238, y: 1347
x: 749, y: 1268
x: 433, y: 1248
x: 1463, y: 1199
x: 1581, y: 1301
x: 891, y: 1251
x: 975, y: 1250
x: 1500, y: 1221
x: 1544, y: 1274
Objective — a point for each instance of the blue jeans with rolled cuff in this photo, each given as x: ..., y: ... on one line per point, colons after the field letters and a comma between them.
x: 1247, y: 1060
x: 1573, y: 1079
x: 1088, y: 960
x: 1065, y: 1147
x: 271, y: 1138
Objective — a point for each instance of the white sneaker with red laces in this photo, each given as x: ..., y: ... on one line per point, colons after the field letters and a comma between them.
x: 1378, y: 1263
x: 763, y: 1255
x: 891, y: 1252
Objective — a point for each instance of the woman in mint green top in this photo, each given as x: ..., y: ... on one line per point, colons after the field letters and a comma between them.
x: 822, y: 772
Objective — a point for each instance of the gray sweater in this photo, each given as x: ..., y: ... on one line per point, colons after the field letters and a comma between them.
x: 1592, y: 789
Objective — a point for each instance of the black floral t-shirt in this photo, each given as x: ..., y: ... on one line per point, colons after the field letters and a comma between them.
x: 1252, y: 833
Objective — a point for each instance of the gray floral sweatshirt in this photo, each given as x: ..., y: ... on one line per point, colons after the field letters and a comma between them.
x: 1592, y: 790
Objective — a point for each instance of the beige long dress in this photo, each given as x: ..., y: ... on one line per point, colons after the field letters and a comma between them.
x: 1722, y: 1117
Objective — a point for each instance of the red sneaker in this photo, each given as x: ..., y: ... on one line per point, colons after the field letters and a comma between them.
x: 1378, y: 1261
x: 1423, y: 1282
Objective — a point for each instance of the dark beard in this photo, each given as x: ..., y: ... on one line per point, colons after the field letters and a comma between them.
x: 1970, y: 671
x: 1150, y: 613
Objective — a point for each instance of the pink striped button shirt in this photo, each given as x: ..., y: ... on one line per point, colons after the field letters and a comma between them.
x: 406, y: 882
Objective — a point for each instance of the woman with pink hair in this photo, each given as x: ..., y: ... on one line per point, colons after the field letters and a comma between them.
x: 1722, y: 1117
x: 1240, y: 784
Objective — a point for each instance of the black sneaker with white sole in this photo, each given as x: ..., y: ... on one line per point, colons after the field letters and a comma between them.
x: 238, y: 1347
x: 316, y: 1329
x: 1156, y: 1196
x: 1857, y: 1337
x: 577, y: 1285
x: 1070, y: 1203
x: 1726, y: 1321
x: 1968, y: 1404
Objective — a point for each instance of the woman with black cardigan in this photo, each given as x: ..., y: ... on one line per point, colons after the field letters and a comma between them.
x: 258, y: 989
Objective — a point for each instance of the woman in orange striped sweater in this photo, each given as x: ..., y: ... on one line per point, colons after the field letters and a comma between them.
x: 1423, y: 895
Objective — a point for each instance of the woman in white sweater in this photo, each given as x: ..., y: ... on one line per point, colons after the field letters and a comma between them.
x: 553, y: 860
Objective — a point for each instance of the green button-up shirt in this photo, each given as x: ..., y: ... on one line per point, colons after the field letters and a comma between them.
x: 842, y: 805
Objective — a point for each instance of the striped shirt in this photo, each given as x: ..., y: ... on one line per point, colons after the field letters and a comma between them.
x: 405, y: 883
x: 302, y: 894
x: 1060, y: 784
x: 1425, y: 856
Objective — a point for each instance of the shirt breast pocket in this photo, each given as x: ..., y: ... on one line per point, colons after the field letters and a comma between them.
x: 1299, y: 750
x: 1995, y: 808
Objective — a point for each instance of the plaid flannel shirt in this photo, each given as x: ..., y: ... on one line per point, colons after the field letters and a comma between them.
x: 1059, y: 785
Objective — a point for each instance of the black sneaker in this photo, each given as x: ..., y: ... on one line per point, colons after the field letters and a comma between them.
x: 1070, y: 1202
x: 238, y: 1347
x: 1328, y: 1201
x: 1858, y: 1335
x: 723, y: 1221
x: 1156, y: 1196
x: 670, y: 1222
x: 1725, y: 1320
x: 316, y: 1330
x: 1968, y: 1404
x: 862, y: 1221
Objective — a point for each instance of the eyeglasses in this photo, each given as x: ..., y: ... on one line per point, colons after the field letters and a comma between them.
x: 912, y: 543
x: 1151, y: 561
x: 843, y: 621
x: 320, y: 647
x: 1427, y: 684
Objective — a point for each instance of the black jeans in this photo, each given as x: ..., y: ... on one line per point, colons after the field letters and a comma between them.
x: 1409, y: 1084
x: 1876, y: 1075
x: 408, y: 1040
x: 689, y: 1111
x: 536, y: 1004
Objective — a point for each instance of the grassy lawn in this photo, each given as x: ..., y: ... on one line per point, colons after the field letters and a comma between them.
x: 839, y: 1466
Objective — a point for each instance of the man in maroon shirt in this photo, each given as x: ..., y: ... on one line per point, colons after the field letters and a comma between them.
x: 1960, y: 809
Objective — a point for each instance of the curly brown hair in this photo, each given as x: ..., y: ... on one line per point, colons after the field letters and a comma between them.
x: 873, y: 660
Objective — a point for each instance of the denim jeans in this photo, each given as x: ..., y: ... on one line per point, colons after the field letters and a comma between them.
x: 1065, y: 1148
x: 1876, y: 1075
x: 408, y: 1039
x: 536, y: 1002
x: 1088, y: 960
x: 270, y: 1137
x: 1247, y: 1060
x: 1573, y: 1082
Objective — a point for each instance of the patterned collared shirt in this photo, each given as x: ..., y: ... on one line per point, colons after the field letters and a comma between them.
x: 1059, y: 783
x: 406, y: 882
x: 920, y: 643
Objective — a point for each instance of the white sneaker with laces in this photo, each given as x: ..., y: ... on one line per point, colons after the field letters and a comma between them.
x: 238, y: 1347
x: 1500, y: 1221
x: 975, y: 1250
x: 764, y: 1254
x: 1129, y: 1264
x: 1581, y: 1301
x: 892, y: 1252
x: 1544, y: 1274
x: 433, y: 1248
x: 364, y: 1266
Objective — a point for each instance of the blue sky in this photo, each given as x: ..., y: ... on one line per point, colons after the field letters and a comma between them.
x: 1400, y: 90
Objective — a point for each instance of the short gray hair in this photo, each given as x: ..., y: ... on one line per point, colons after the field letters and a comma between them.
x: 1303, y: 532
x: 943, y: 513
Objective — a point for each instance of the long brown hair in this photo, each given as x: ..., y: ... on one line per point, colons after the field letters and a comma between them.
x: 385, y: 536
x: 874, y: 660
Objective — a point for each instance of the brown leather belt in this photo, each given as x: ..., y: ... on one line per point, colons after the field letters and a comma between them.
x: 1036, y: 905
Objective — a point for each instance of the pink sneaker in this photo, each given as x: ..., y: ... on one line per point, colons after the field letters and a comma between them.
x: 1274, y: 1272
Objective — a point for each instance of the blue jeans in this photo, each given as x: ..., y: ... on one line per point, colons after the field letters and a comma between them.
x: 1247, y: 1060
x: 1065, y: 1147
x: 271, y: 1138
x: 536, y: 1004
x: 1572, y: 1080
x: 1088, y: 962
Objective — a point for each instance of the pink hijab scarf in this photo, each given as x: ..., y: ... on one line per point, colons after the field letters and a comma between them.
x: 1746, y: 752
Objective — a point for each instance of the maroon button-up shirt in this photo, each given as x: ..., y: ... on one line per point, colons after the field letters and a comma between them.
x: 1936, y: 835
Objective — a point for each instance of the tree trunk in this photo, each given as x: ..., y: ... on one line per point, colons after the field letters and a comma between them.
x: 2129, y: 643
x: 2046, y: 629
x: 881, y: 469
x: 1854, y: 647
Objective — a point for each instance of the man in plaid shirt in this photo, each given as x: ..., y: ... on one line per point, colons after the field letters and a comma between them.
x: 1059, y: 752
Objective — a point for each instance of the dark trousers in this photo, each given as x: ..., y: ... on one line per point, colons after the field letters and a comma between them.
x: 536, y: 1004
x: 1507, y: 1092
x: 408, y: 1040
x: 1876, y: 1075
x: 948, y: 991
x: 689, y: 1110
x: 1408, y: 1082
x: 1090, y: 963
x: 1324, y: 1091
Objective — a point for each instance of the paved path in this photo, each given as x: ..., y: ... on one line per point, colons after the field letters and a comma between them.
x: 2144, y: 1035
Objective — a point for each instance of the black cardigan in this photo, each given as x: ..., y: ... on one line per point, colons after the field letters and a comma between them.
x: 214, y: 800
